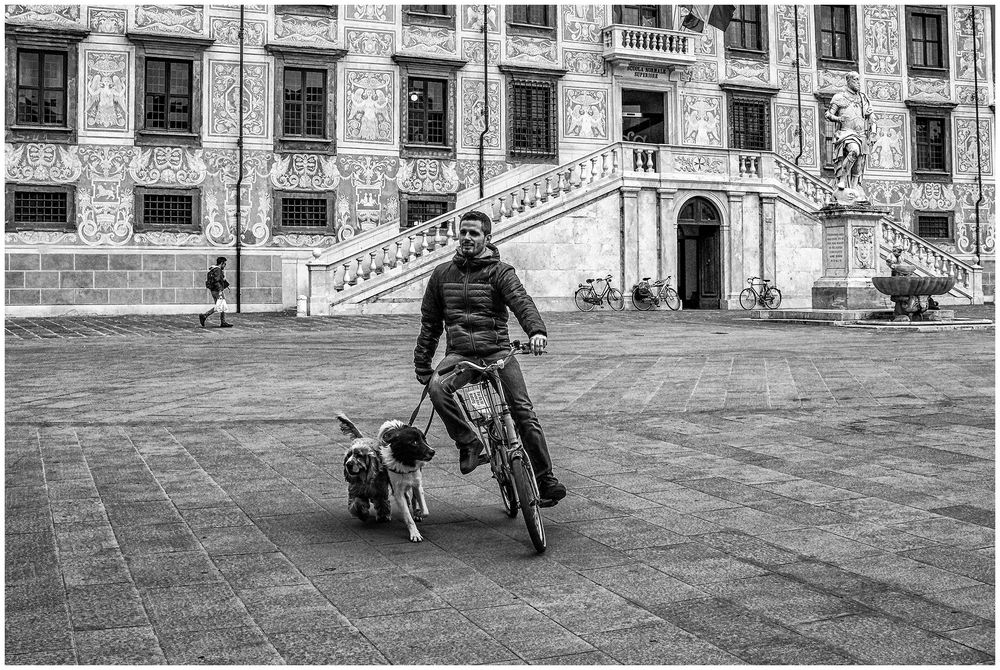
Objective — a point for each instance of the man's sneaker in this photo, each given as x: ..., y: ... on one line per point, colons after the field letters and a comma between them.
x: 225, y: 324
x: 471, y: 456
x: 201, y: 317
x: 550, y: 491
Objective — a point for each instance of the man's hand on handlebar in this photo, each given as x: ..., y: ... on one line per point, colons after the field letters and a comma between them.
x: 423, y: 378
x: 537, y: 344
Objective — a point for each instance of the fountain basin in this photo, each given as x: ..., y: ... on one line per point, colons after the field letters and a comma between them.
x: 911, y: 285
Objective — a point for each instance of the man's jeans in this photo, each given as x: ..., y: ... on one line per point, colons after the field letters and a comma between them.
x: 517, y: 399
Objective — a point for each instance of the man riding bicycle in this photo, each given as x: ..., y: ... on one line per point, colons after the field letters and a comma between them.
x: 468, y: 297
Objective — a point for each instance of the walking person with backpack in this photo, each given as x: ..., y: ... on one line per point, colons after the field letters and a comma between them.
x: 216, y: 283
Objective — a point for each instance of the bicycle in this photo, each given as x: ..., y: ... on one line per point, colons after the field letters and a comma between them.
x: 587, y: 295
x: 481, y: 397
x: 769, y: 296
x: 646, y: 296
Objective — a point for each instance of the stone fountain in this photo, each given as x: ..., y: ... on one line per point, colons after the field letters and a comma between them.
x: 913, y: 295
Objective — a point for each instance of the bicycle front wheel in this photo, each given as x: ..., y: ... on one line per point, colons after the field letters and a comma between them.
x: 671, y: 298
x: 507, y: 495
x: 616, y: 299
x: 580, y: 297
x: 748, y: 298
x: 772, y: 298
x: 639, y: 303
x: 524, y: 482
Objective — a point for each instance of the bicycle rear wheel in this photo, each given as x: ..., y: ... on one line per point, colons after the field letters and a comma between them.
x: 639, y: 303
x: 580, y: 299
x: 671, y: 298
x: 507, y: 494
x: 616, y: 299
x: 524, y: 482
x: 748, y: 298
x: 772, y: 298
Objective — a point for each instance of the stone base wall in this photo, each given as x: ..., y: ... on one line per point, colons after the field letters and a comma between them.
x: 122, y: 281
x: 798, y: 254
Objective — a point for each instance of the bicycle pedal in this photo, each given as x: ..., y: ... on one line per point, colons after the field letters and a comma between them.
x: 547, y: 502
x: 483, y: 459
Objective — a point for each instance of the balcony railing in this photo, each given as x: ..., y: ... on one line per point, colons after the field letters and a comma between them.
x: 652, y: 46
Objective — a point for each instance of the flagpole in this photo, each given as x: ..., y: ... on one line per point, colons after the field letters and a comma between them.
x: 979, y: 147
x: 798, y: 83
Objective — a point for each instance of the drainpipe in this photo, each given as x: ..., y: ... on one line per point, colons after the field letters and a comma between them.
x: 486, y: 104
x: 239, y: 172
x: 798, y: 86
x: 979, y: 148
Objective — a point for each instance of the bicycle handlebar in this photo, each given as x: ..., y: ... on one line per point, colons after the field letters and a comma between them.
x: 468, y: 366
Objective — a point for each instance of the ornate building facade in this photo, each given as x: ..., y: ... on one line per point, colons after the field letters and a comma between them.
x: 123, y: 127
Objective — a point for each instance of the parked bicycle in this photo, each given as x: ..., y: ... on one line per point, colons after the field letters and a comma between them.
x: 481, y: 396
x: 646, y: 296
x: 596, y: 292
x: 768, y: 296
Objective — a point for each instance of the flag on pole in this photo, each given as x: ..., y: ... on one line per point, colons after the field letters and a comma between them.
x: 717, y: 16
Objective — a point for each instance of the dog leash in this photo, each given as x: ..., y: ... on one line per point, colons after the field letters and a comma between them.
x: 413, y: 417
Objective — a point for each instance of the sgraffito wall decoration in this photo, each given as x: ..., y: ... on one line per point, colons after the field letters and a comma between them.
x: 371, y: 13
x: 787, y: 117
x: 585, y: 113
x: 880, y: 32
x: 786, y: 80
x: 219, y: 198
x: 888, y: 142
x: 429, y: 39
x: 65, y: 15
x: 308, y: 30
x: 42, y: 163
x: 583, y: 23
x: 884, y: 90
x: 472, y: 18
x: 305, y: 172
x: 225, y: 30
x: 168, y: 166
x: 966, y: 158
x: 741, y: 68
x: 786, y: 33
x: 472, y: 51
x: 967, y: 95
x: 104, y: 20
x: 473, y: 117
x: 224, y: 94
x: 105, y: 198
x: 831, y: 80
x: 371, y: 42
x: 106, y: 102
x: 926, y: 88
x: 583, y: 62
x: 704, y: 70
x: 427, y: 175
x: 965, y: 231
x: 889, y: 194
x: 704, y: 42
x: 702, y: 116
x: 375, y: 203
x: 369, y: 106
x: 468, y: 171
x: 964, y: 45
x: 533, y: 49
x: 172, y: 19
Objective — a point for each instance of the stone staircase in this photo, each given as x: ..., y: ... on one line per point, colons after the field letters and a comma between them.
x: 371, y: 266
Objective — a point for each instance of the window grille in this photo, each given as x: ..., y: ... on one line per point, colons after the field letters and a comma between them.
x: 166, y: 209
x: 168, y: 94
x: 835, y: 32
x: 436, y: 10
x: 930, y: 142
x: 744, y: 31
x: 40, y: 207
x: 934, y: 226
x: 306, y: 212
x: 531, y: 15
x: 418, y: 211
x: 926, y: 40
x: 304, y: 113
x: 533, y: 118
x: 41, y: 88
x: 427, y: 111
x: 750, y: 123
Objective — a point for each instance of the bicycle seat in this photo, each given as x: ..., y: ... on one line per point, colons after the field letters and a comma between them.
x: 590, y: 281
x: 645, y: 279
x: 766, y: 281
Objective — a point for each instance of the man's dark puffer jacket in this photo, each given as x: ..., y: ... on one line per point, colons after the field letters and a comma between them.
x: 471, y: 297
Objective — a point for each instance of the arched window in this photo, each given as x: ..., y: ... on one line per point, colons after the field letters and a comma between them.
x: 698, y: 211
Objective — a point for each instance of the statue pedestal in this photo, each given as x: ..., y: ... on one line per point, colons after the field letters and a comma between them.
x: 851, y: 235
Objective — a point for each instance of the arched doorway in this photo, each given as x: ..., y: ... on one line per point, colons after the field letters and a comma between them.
x: 698, y: 258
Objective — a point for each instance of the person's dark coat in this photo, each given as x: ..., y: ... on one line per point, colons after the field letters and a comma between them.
x: 216, y: 281
x: 470, y: 297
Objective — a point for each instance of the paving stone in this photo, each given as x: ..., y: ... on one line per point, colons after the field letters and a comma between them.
x: 661, y: 644
x: 197, y: 607
x: 748, y: 520
x: 179, y: 568
x: 37, y: 631
x: 886, y: 538
x: 234, y: 646
x: 299, y: 607
x: 747, y: 547
x: 643, y: 585
x: 978, y: 600
x: 969, y: 513
x: 878, y: 640
x: 119, y: 646
x: 463, y: 589
x: 957, y: 560
x: 626, y: 533
x: 227, y: 540
x: 982, y: 637
x: 695, y: 563
x: 951, y: 531
x: 436, y: 637
x: 160, y: 538
x: 588, y: 658
x: 782, y: 599
x: 106, y: 606
x: 808, y: 491
x: 907, y: 574
x: 326, y: 646
x: 528, y: 633
x: 81, y: 510
x: 49, y: 657
x: 377, y: 593
x: 584, y: 607
x: 311, y: 528
x: 215, y: 517
x: 918, y: 611
x: 334, y: 558
x: 84, y: 538
x: 142, y: 513
x: 818, y: 543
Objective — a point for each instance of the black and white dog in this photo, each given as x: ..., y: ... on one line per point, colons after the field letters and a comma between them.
x: 402, y: 452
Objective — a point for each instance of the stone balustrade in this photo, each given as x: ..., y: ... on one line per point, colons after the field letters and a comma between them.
x: 651, y: 46
x: 928, y: 259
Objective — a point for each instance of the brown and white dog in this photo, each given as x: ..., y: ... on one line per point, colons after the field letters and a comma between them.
x: 404, y: 451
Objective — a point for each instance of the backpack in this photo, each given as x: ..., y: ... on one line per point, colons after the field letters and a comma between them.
x: 210, y: 279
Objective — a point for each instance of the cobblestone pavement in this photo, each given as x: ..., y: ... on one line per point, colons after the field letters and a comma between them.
x: 740, y: 492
